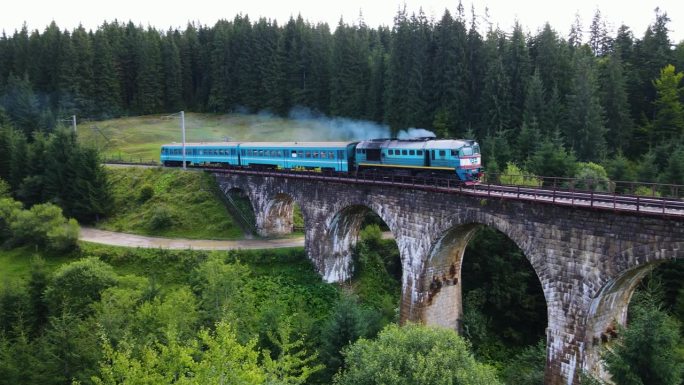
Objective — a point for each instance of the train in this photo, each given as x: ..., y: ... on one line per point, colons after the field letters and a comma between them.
x: 428, y: 157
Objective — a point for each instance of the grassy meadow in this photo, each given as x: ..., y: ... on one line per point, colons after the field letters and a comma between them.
x: 168, y: 203
x: 139, y: 138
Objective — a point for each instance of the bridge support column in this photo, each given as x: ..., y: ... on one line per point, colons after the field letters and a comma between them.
x: 438, y: 288
x: 274, y: 214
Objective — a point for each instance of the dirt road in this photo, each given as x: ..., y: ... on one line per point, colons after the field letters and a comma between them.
x: 132, y: 240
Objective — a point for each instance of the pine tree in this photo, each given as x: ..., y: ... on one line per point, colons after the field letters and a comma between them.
x: 350, y: 71
x: 106, y: 91
x: 599, y: 41
x: 449, y: 69
x: 517, y: 62
x: 21, y: 105
x: 149, y: 92
x: 619, y: 124
x: 584, y: 127
x: 171, y: 65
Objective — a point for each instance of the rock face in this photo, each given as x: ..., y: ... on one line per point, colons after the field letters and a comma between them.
x: 588, y: 262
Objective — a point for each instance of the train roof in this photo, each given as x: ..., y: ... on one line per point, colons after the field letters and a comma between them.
x: 297, y: 144
x: 416, y: 143
x: 204, y: 144
x: 263, y: 144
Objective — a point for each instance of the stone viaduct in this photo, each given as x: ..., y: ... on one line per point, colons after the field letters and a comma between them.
x: 588, y: 261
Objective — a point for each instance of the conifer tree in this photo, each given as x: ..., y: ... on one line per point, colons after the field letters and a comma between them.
x: 619, y: 123
x: 669, y: 115
x: 584, y: 128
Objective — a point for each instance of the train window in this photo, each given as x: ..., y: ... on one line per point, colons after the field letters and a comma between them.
x: 324, y: 155
x: 261, y: 152
x: 419, y: 152
x: 331, y: 154
x: 442, y: 153
x: 390, y: 152
x: 308, y: 154
x: 300, y: 154
x: 454, y: 152
x: 294, y: 153
x: 358, y: 150
x: 466, y: 151
x: 315, y: 154
x: 476, y: 149
x: 404, y: 152
x: 363, y: 151
x: 340, y: 154
x: 412, y: 152
x: 232, y: 151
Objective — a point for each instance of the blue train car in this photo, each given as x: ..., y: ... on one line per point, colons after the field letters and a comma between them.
x: 201, y: 154
x: 337, y: 156
x: 460, y: 158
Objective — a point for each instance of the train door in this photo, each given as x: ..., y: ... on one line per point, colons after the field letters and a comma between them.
x: 427, y: 158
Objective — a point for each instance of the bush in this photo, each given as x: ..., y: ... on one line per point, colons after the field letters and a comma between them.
x: 160, y: 219
x: 515, y: 176
x: 4, y: 189
x: 146, y: 193
x: 45, y: 226
x: 413, y: 354
x: 592, y: 176
x: 77, y: 285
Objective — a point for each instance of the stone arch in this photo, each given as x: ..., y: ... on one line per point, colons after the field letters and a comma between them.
x: 275, y: 216
x: 608, y: 307
x: 244, y: 214
x: 441, y: 282
x: 341, y: 235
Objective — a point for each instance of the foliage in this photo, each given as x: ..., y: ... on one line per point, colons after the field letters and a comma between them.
x: 504, y: 306
x: 515, y: 176
x: 592, y: 176
x: 169, y: 203
x: 413, y: 355
x: 77, y: 285
x: 4, y: 189
x: 527, y: 367
x: 43, y: 225
x: 646, y: 351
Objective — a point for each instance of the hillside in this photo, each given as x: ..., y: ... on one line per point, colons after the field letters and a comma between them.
x: 169, y: 203
x: 140, y: 138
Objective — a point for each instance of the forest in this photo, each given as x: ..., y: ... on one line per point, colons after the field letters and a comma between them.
x: 547, y: 102
x: 541, y: 99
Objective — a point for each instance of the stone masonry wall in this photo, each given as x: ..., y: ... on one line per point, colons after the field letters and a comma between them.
x: 587, y: 261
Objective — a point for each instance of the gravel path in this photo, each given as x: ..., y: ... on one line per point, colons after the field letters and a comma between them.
x: 132, y: 240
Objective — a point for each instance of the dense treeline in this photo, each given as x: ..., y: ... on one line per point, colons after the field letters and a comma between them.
x: 615, y: 98
x: 55, y: 168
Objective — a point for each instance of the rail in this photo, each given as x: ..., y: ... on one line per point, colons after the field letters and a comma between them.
x: 652, y: 199
x: 553, y: 194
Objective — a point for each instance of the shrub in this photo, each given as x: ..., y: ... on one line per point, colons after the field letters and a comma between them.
x: 413, y: 354
x: 160, y: 219
x: 513, y: 175
x: 146, y: 193
x: 45, y: 226
x: 77, y: 285
x: 592, y: 176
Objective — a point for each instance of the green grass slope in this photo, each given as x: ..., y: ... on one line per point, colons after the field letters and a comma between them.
x: 139, y: 138
x: 168, y: 203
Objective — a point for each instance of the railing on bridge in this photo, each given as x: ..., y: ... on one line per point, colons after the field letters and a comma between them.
x: 129, y: 159
x: 646, y: 198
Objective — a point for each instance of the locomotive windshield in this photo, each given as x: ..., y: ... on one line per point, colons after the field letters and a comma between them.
x: 466, y: 151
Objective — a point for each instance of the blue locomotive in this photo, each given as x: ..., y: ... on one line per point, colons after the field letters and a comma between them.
x: 416, y: 157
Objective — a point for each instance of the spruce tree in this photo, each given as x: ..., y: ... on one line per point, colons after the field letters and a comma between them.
x: 584, y: 127
x: 619, y: 123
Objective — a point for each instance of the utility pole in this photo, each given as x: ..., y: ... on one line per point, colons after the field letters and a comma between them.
x: 182, y: 114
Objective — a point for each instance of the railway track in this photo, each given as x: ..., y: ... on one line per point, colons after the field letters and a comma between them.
x: 592, y: 200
